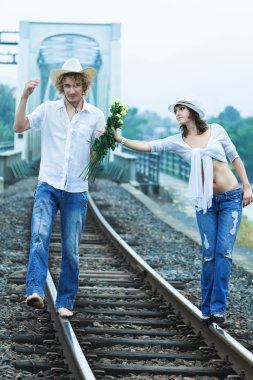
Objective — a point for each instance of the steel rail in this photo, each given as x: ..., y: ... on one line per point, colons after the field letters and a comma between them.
x: 240, y: 358
x: 73, y: 352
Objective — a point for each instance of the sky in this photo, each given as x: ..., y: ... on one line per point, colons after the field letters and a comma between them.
x: 193, y: 49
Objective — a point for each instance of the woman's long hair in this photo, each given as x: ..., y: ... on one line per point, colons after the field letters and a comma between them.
x: 201, y: 124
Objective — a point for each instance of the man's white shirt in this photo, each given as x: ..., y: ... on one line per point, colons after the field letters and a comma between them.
x: 65, y: 144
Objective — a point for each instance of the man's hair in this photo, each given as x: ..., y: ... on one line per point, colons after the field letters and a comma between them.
x: 201, y: 124
x: 82, y: 78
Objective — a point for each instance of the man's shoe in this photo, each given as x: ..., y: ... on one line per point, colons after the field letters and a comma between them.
x: 35, y: 301
x: 218, y: 319
x: 207, y: 321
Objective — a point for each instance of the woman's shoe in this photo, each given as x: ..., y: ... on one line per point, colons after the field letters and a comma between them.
x: 207, y: 321
x: 218, y: 319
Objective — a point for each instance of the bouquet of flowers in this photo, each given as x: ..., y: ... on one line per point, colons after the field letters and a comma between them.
x: 101, y: 146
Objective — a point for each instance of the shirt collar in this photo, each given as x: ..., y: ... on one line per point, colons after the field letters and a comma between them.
x: 61, y: 104
x: 86, y: 106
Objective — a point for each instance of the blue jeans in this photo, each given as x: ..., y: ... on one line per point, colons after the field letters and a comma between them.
x: 72, y: 206
x: 218, y: 229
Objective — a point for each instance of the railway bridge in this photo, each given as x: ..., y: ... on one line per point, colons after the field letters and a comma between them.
x: 44, y: 46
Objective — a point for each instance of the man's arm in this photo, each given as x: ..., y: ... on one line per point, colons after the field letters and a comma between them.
x: 21, y: 122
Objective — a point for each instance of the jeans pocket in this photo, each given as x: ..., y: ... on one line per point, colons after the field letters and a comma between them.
x: 235, y: 196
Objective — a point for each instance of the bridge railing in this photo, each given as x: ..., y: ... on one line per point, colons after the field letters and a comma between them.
x: 6, y: 145
x: 149, y: 165
x: 173, y: 164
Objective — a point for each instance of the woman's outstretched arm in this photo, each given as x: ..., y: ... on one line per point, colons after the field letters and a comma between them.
x: 141, y: 146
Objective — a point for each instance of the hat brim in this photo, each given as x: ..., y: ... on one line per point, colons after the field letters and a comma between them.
x: 192, y: 106
x: 89, y: 71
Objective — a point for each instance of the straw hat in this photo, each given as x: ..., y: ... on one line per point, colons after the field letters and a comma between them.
x: 72, y: 65
x: 188, y: 104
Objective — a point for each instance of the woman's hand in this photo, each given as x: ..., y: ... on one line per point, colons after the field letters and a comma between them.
x: 117, y: 137
x: 102, y: 131
x: 247, y: 195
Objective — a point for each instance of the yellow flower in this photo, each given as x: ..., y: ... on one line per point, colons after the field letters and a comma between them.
x: 124, y: 110
x: 102, y: 145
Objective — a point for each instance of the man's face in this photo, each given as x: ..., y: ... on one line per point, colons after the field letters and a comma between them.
x: 73, y: 90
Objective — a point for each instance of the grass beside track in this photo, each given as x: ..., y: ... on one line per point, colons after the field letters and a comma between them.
x: 245, y: 234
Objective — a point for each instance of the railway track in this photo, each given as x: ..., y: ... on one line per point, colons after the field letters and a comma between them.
x: 131, y: 323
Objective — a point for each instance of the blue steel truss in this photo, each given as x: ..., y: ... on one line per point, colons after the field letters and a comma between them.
x: 55, y: 50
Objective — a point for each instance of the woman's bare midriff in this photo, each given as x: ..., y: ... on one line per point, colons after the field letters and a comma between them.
x: 223, y: 178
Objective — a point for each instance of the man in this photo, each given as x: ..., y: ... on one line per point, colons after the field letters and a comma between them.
x: 67, y: 128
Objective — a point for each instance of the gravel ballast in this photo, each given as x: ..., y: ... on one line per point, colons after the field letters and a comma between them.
x: 170, y: 253
x: 173, y: 255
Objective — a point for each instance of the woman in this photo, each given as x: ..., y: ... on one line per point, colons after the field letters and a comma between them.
x: 215, y: 192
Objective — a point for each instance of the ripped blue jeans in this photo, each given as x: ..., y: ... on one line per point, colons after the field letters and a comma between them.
x: 218, y: 229
x: 72, y: 208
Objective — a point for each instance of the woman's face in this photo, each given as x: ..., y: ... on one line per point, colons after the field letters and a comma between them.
x: 183, y: 114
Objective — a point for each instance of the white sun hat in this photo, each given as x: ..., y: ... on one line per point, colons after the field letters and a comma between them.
x: 194, y: 106
x: 72, y: 65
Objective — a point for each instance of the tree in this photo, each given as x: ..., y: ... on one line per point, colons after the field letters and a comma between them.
x: 230, y: 116
x: 7, y: 112
x: 240, y: 131
x: 158, y: 127
x: 132, y: 124
x: 147, y: 125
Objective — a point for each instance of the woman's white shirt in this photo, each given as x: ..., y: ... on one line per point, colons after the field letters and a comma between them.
x: 218, y: 147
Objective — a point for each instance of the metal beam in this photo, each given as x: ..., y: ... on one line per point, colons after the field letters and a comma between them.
x: 8, y: 39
